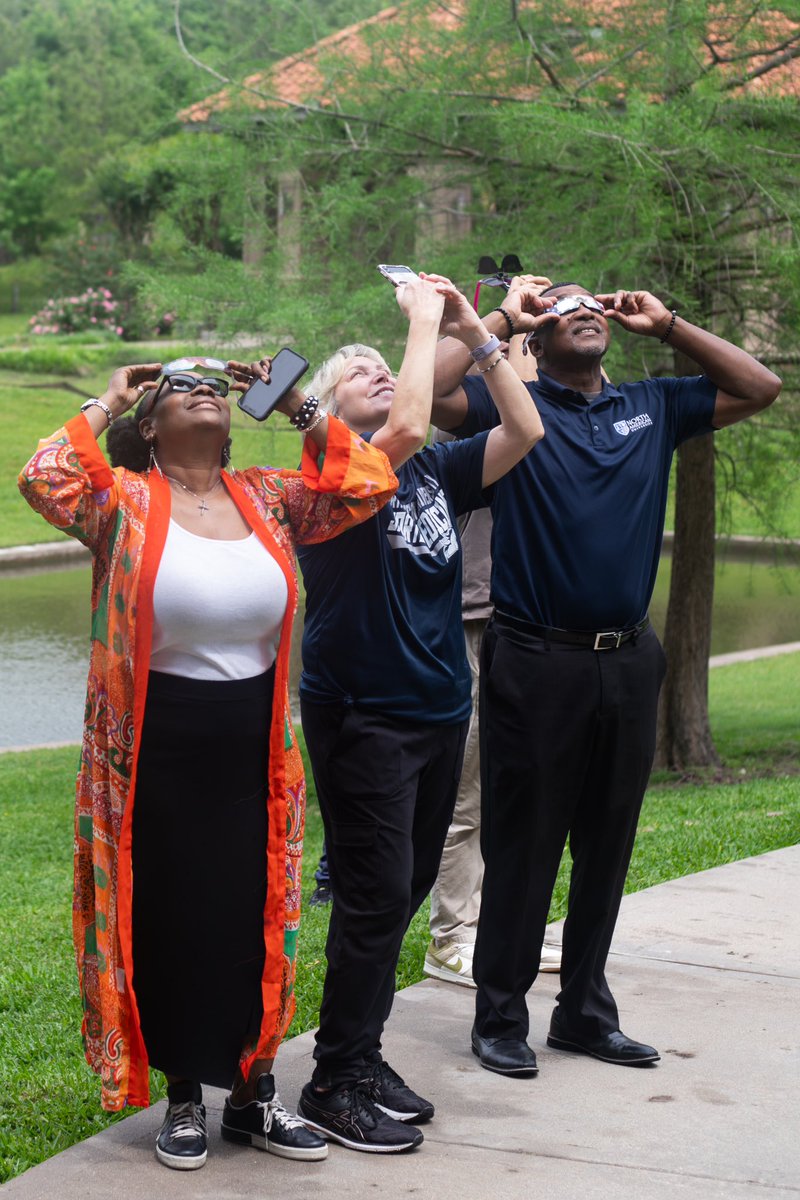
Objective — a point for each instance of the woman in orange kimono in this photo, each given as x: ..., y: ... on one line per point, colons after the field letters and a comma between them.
x: 186, y: 903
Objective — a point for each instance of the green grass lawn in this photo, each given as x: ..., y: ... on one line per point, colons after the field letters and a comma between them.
x: 49, y: 1098
x: 13, y: 326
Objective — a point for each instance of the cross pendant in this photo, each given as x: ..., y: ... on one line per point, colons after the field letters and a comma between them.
x: 203, y: 507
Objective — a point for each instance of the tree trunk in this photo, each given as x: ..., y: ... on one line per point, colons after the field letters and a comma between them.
x: 684, y: 735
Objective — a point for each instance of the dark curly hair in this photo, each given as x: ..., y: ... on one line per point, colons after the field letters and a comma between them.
x: 126, y: 447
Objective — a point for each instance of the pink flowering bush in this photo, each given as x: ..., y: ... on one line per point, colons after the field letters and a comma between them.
x: 95, y: 308
x: 165, y: 323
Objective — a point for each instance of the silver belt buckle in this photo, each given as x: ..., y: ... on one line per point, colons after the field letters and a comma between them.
x: 613, y: 645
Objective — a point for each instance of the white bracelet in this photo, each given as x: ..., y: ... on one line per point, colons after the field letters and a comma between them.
x: 95, y: 403
x: 481, y: 352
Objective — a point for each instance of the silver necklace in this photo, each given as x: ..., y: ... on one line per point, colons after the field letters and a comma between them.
x: 202, y: 505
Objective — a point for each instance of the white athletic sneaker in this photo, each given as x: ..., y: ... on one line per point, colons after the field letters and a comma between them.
x: 550, y: 959
x: 452, y: 963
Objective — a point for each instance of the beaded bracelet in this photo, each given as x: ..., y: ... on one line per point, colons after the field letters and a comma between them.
x: 509, y: 320
x: 305, y: 412
x: 491, y: 367
x: 314, y: 422
x: 670, y: 327
x: 95, y: 403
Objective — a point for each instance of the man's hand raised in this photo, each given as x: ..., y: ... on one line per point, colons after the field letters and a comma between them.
x: 523, y: 301
x: 638, y: 312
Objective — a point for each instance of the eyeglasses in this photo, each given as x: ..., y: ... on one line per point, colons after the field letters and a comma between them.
x: 187, y: 383
x: 568, y: 304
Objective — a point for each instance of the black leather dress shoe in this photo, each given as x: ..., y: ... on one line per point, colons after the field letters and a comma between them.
x: 609, y: 1047
x: 506, y: 1056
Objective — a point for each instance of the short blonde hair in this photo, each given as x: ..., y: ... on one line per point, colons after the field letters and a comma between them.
x: 328, y: 376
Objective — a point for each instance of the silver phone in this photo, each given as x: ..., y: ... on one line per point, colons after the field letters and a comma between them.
x: 396, y: 273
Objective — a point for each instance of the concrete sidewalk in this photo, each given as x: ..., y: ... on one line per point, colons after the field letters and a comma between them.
x: 707, y: 968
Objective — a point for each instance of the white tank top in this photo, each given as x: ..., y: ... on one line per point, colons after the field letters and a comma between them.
x: 217, y: 607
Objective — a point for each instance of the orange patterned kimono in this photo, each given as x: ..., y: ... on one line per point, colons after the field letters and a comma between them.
x: 123, y: 517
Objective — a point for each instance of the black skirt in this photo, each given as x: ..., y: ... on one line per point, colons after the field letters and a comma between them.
x: 200, y: 872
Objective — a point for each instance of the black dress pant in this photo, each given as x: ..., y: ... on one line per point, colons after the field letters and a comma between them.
x: 567, y: 743
x: 386, y: 790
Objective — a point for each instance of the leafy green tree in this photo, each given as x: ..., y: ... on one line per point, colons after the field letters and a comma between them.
x: 648, y: 145
x: 83, y: 82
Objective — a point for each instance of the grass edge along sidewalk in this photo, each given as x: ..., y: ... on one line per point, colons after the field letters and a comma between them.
x: 49, y: 1098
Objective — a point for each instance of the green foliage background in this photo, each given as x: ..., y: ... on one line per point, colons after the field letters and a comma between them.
x: 598, y: 144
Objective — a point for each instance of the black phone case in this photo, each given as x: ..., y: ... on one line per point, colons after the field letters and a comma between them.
x: 260, y: 398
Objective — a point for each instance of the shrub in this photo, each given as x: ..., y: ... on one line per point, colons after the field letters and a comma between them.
x: 95, y: 309
x: 58, y: 358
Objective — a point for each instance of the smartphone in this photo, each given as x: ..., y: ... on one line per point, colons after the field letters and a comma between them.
x: 260, y: 398
x: 396, y: 273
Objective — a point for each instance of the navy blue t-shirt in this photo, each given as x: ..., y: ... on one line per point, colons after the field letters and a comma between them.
x: 383, y: 601
x: 578, y: 523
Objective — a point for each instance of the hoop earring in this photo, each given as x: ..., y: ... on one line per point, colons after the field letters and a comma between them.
x: 152, y: 463
x: 226, y: 454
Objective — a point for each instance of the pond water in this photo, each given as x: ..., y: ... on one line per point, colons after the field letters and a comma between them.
x: 44, y: 630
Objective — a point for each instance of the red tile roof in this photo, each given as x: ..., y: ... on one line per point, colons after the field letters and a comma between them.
x: 327, y: 70
x: 315, y: 75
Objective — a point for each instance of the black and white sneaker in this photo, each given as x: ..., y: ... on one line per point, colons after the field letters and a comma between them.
x: 391, y: 1095
x: 348, y: 1116
x: 267, y: 1125
x: 182, y: 1143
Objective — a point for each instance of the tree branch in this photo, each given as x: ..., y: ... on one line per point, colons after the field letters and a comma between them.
x: 538, y: 57
x: 332, y: 114
x: 604, y: 70
x: 778, y: 61
x: 758, y: 52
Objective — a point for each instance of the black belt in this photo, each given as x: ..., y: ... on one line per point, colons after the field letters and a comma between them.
x: 607, y: 640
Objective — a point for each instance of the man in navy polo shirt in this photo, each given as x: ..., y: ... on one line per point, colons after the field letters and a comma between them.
x: 570, y: 667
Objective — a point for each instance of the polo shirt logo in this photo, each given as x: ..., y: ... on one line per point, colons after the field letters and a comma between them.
x: 638, y: 422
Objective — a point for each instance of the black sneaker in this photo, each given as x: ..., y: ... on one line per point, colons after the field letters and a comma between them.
x: 266, y: 1124
x: 321, y: 895
x: 391, y: 1095
x: 347, y: 1115
x: 182, y: 1142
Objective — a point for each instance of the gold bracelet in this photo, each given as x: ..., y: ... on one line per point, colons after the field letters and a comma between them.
x: 491, y: 366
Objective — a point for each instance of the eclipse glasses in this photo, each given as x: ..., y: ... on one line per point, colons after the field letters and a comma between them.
x: 568, y: 304
x: 179, y: 382
x: 496, y: 276
x: 564, y: 305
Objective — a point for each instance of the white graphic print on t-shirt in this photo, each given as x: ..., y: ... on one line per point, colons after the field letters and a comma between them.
x: 422, y: 524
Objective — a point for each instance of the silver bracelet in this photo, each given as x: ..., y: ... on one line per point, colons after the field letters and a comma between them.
x: 318, y: 417
x: 95, y: 403
x: 491, y: 366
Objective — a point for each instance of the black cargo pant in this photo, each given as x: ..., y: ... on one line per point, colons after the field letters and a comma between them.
x: 386, y: 790
x: 567, y: 743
